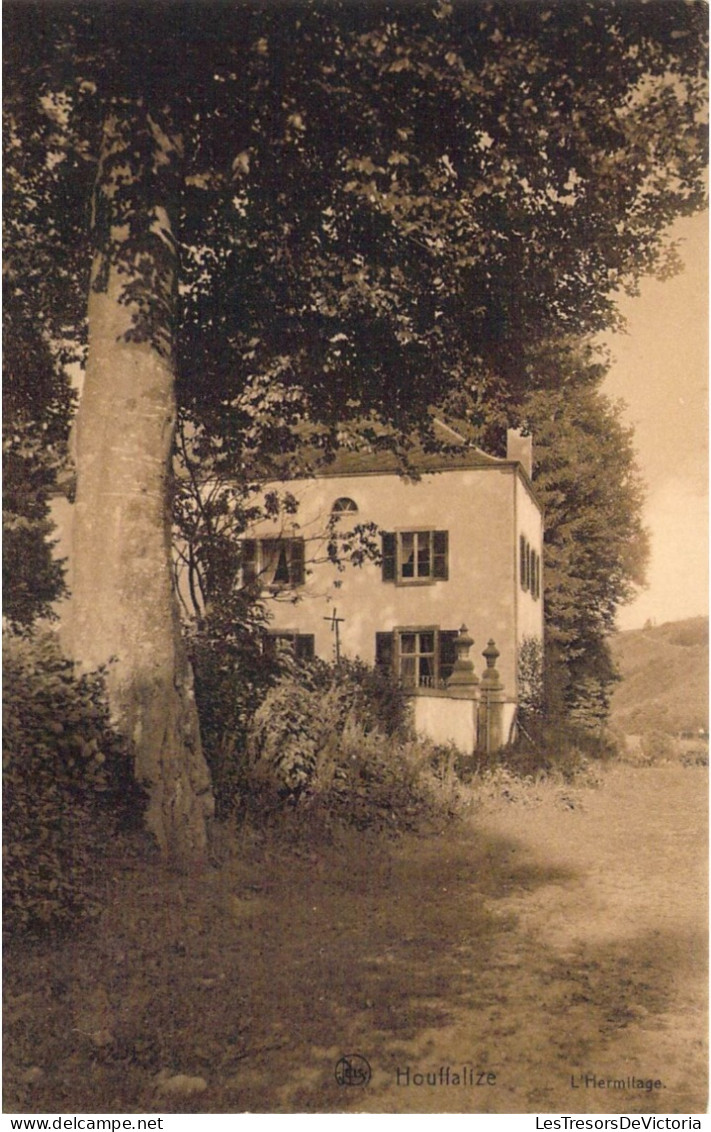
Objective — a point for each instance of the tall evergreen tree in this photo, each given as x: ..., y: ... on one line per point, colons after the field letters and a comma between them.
x: 596, y: 546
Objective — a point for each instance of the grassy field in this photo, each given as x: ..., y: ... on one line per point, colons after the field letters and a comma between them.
x: 546, y: 936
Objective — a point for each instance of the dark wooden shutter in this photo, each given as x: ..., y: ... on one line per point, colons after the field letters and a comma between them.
x: 304, y: 646
x: 523, y: 557
x: 384, y: 650
x: 388, y: 552
x: 447, y: 652
x: 249, y: 560
x: 440, y: 557
x: 296, y: 561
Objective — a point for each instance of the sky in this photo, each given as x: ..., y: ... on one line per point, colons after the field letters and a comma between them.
x: 661, y: 371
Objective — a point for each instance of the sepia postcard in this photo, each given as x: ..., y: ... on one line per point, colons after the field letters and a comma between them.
x: 355, y: 561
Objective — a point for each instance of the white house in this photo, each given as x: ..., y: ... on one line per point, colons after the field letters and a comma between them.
x: 460, y: 545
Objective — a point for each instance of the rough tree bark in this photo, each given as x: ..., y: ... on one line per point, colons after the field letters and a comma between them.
x: 124, y: 607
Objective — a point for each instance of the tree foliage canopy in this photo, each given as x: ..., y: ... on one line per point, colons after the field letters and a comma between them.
x: 376, y: 200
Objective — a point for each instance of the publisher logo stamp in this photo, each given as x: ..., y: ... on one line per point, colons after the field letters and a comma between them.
x: 353, y: 1069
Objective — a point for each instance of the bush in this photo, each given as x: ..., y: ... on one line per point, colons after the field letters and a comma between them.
x: 371, y: 695
x: 531, y: 692
x: 315, y: 748
x: 372, y: 781
x: 232, y: 676
x: 694, y: 756
x: 546, y: 763
x: 32, y: 455
x: 658, y: 747
x: 67, y: 782
x: 247, y: 694
x: 558, y: 748
x: 289, y: 731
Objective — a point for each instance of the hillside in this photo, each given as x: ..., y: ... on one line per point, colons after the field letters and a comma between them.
x: 665, y: 677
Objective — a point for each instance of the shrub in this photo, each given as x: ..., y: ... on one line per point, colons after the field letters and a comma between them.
x: 378, y: 782
x: 545, y: 764
x: 658, y: 747
x: 557, y: 747
x: 530, y: 679
x: 232, y: 677
x: 500, y: 785
x: 315, y: 749
x: 694, y: 756
x: 250, y: 697
x: 371, y: 695
x: 67, y: 781
x: 290, y: 729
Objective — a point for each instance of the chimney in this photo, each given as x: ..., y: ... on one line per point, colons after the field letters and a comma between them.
x: 520, y: 448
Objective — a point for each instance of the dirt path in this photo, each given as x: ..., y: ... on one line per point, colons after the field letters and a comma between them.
x: 601, y: 969
x: 521, y: 950
x: 572, y: 948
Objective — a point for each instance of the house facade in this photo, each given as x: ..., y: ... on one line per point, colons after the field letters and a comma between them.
x: 459, y: 545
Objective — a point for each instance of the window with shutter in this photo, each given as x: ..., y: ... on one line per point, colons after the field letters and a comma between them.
x: 276, y: 562
x: 529, y: 568
x: 300, y: 644
x: 422, y: 657
x: 415, y: 557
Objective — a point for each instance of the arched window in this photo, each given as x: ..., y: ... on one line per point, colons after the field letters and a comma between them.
x: 343, y: 504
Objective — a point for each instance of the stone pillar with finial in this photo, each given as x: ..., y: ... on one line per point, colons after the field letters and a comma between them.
x: 463, y: 684
x: 491, y: 705
x: 463, y: 677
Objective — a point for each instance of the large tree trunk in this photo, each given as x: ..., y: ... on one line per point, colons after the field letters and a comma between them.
x: 124, y: 608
